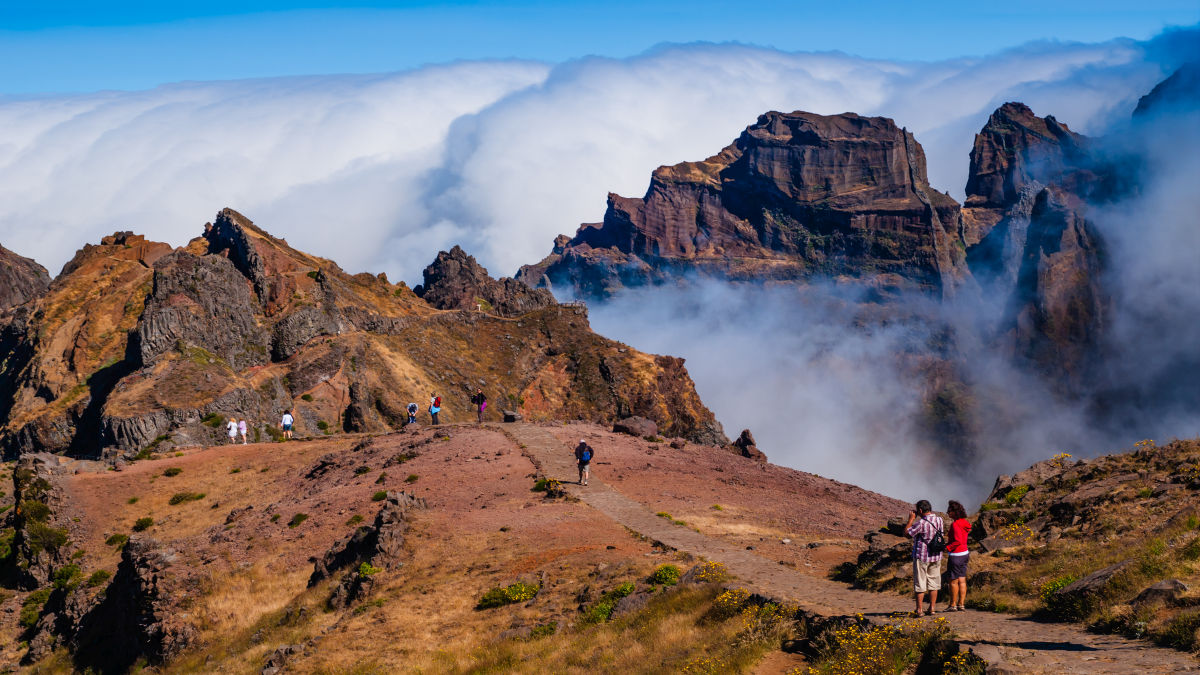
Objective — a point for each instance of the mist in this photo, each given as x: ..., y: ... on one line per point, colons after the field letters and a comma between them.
x: 836, y: 386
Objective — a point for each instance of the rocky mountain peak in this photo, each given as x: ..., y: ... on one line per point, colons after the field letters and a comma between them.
x: 1182, y: 88
x: 456, y: 281
x: 796, y: 195
x: 21, y: 279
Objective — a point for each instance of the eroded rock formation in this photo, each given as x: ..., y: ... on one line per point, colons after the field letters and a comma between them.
x: 21, y: 279
x: 456, y: 281
x: 796, y: 196
x: 135, y: 345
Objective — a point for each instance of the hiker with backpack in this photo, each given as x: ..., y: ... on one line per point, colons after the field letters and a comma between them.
x: 435, y: 407
x: 412, y: 413
x: 584, y: 454
x: 925, y: 528
x: 956, y: 555
x: 479, y: 400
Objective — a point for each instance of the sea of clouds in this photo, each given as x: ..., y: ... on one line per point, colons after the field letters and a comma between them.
x: 379, y: 172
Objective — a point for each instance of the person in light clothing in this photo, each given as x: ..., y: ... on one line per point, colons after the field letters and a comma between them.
x: 231, y: 427
x: 287, y: 423
x: 242, y: 430
x: 924, y: 526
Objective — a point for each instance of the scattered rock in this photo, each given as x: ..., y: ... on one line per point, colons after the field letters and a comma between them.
x: 636, y: 426
x: 631, y: 604
x: 511, y: 416
x: 1166, y: 591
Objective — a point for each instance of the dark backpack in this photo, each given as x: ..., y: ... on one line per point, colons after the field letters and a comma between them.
x: 937, y: 544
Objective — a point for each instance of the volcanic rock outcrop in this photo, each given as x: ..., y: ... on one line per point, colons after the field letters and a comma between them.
x: 21, y: 279
x: 135, y: 345
x: 796, y: 196
x: 1031, y: 246
x: 456, y: 281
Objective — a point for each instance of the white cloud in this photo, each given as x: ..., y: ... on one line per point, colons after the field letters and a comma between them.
x: 498, y: 156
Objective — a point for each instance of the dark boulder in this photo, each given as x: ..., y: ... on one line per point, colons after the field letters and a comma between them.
x: 456, y: 281
x: 21, y: 279
x: 636, y: 426
x: 746, y: 447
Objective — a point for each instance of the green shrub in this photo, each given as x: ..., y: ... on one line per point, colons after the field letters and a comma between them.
x: 1064, y: 607
x: 361, y: 470
x: 297, y: 519
x: 718, y: 507
x: 1180, y: 631
x: 379, y: 496
x: 354, y: 519
x: 31, y: 609
x: 118, y: 540
x: 98, y: 577
x: 412, y: 478
x: 181, y: 497
x: 498, y: 597
x: 307, y: 397
x: 6, y: 539
x: 213, y: 420
x: 366, y: 569
x: 275, y: 518
x: 601, y: 610
x: 142, y: 524
x: 172, y: 472
x: 42, y: 537
x: 666, y: 575
x: 990, y: 506
x: 132, y: 500
x: 382, y: 478
x: 67, y: 577
x: 539, y: 485
x: 35, y: 511
x: 1145, y: 492
x: 544, y: 629
x: 1016, y: 494
x: 236, y: 469
x: 323, y: 425
x: 1191, y: 551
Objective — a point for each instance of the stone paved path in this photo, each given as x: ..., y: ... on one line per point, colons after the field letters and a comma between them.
x: 1011, y: 644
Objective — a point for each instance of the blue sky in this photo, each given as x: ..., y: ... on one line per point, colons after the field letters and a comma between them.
x: 75, y: 46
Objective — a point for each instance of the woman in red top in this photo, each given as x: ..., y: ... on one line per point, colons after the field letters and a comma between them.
x: 957, y: 554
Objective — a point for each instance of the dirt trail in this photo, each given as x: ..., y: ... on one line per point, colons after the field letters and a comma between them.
x: 1010, y: 644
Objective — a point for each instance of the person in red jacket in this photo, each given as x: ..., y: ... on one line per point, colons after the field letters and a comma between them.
x: 957, y: 553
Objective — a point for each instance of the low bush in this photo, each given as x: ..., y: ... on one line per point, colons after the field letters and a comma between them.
x: 601, y: 610
x: 361, y: 470
x: 366, y: 569
x: 183, y: 497
x: 172, y: 472
x: 666, y: 575
x: 379, y: 496
x: 132, y: 500
x: 1016, y: 494
x: 143, y: 524
x: 42, y: 537
x: 711, y: 572
x: 297, y: 519
x: 118, y: 540
x: 412, y: 478
x: 275, y: 518
x: 507, y: 595
x: 323, y: 425
x: 31, y: 609
x: 354, y: 519
x: 307, y: 397
x: 67, y: 577
x: 98, y: 577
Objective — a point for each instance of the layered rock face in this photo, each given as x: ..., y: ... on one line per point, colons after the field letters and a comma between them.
x: 1031, y: 246
x: 1181, y: 89
x: 796, y: 196
x: 137, y: 344
x: 456, y: 281
x: 21, y: 279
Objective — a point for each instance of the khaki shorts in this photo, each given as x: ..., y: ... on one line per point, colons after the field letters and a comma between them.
x: 927, y: 576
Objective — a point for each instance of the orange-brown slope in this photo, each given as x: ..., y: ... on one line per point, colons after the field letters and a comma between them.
x: 137, y: 345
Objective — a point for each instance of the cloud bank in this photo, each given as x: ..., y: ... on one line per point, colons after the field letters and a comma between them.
x: 379, y: 172
x: 497, y: 156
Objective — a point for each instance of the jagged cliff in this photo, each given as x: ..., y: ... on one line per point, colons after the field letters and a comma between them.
x: 1030, y: 243
x: 796, y: 196
x: 136, y: 344
x: 21, y: 279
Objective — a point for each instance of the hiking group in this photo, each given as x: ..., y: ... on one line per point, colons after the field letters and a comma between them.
x: 927, y: 531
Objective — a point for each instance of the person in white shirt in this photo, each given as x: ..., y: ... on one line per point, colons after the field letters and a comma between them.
x: 287, y: 423
x: 232, y: 428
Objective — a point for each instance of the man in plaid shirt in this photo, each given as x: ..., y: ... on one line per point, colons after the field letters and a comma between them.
x: 927, y: 568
